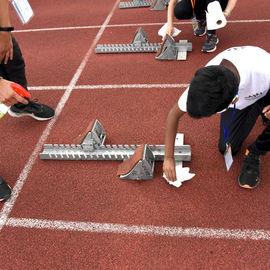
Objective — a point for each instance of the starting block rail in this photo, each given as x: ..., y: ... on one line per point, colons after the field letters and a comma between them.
x: 108, y: 152
x: 127, y: 48
x: 154, y: 4
x: 136, y: 4
x: 138, y: 159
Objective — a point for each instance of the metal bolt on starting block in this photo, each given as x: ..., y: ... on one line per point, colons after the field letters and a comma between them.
x: 138, y: 159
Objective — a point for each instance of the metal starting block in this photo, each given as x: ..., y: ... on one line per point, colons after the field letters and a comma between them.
x: 167, y: 50
x: 154, y: 4
x: 140, y: 166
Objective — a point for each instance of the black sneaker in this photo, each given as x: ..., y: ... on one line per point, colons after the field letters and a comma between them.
x: 36, y: 110
x: 250, y: 173
x: 200, y: 30
x: 5, y: 190
x: 211, y: 42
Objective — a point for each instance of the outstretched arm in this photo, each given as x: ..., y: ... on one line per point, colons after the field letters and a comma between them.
x: 170, y: 16
x: 171, y: 129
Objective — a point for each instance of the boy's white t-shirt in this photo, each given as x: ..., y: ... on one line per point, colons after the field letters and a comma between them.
x: 253, y: 65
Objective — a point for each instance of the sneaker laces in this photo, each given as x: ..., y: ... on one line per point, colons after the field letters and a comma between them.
x: 210, y: 38
x: 33, y: 103
x: 252, y: 158
x: 201, y: 24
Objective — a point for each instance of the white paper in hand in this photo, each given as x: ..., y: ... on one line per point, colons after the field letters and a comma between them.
x: 162, y: 31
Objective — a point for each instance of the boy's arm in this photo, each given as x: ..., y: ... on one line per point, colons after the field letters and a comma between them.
x: 6, y: 47
x: 171, y: 129
x: 170, y: 16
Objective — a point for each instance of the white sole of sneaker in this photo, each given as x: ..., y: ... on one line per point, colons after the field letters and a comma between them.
x: 13, y: 114
x: 209, y: 51
x: 199, y: 35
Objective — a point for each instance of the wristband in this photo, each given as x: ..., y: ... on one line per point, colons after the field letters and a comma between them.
x: 7, y: 29
x: 228, y: 12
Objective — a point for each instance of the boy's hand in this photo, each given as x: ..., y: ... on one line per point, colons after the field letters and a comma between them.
x: 8, y: 96
x: 6, y: 47
x: 169, y: 168
x: 266, y: 112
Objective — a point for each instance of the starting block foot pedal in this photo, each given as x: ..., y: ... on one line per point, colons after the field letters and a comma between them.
x: 92, y: 136
x: 140, y: 37
x: 167, y: 50
x: 140, y: 166
x: 171, y: 50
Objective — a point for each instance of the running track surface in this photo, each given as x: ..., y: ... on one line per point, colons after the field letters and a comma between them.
x: 79, y: 214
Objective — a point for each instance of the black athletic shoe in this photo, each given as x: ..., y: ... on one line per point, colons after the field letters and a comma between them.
x: 210, y: 44
x: 5, y: 190
x: 250, y: 173
x: 36, y: 110
x: 200, y: 30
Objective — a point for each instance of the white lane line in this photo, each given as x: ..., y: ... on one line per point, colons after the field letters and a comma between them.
x: 126, y: 25
x: 9, y: 204
x: 109, y: 86
x: 195, y: 232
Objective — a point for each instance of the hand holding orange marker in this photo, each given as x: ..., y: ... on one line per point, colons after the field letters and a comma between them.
x: 20, y: 91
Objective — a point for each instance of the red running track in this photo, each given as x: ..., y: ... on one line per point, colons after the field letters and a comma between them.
x: 79, y: 214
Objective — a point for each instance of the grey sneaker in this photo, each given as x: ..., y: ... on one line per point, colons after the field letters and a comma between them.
x: 5, y: 190
x: 210, y: 44
x: 36, y: 110
x: 200, y: 30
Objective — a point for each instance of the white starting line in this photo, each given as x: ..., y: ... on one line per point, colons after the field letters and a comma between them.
x: 93, y: 227
x: 108, y: 86
x: 127, y: 25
